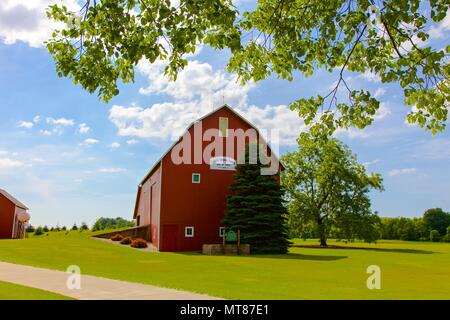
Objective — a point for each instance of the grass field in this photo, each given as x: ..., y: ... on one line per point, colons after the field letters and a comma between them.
x: 10, y: 291
x: 409, y: 270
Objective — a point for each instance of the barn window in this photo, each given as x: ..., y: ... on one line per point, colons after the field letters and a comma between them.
x: 189, y: 232
x: 221, y: 231
x: 196, y: 178
x: 223, y: 127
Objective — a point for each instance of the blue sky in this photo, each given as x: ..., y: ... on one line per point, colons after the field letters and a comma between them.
x: 71, y: 158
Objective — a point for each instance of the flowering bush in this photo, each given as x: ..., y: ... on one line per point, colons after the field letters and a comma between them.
x: 139, y: 243
x: 117, y: 237
x: 126, y: 240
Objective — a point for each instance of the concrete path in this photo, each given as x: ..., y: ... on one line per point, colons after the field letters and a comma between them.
x: 92, y: 288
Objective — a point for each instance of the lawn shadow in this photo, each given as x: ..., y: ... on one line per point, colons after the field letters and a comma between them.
x: 290, y: 256
x: 299, y: 256
x: 396, y: 250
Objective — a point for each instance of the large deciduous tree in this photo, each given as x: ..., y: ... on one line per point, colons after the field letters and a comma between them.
x: 255, y: 207
x: 436, y: 219
x: 279, y: 37
x: 326, y: 186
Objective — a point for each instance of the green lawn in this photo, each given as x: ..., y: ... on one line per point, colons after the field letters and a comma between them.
x: 10, y: 291
x: 409, y: 270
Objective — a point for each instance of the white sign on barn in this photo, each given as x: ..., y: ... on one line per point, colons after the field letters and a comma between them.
x: 222, y: 163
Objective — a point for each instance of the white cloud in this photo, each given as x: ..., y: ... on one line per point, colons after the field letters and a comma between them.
x: 58, y: 125
x: 115, y: 145
x: 351, y: 133
x: 396, y: 172
x: 4, y: 153
x: 370, y: 76
x: 111, y: 170
x: 271, y: 118
x: 197, y: 80
x: 379, y: 92
x: 37, y: 119
x: 37, y: 160
x: 25, y: 124
x: 60, y: 122
x: 198, y: 89
x: 132, y: 141
x: 8, y: 163
x: 26, y: 21
x: 408, y: 45
x: 89, y: 142
x: 382, y: 111
x: 370, y: 163
x: 161, y: 121
x: 83, y: 128
x: 169, y: 120
x: 46, y: 132
x: 441, y: 30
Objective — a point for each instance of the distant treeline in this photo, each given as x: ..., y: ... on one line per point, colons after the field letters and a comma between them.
x: 100, y: 224
x: 111, y: 223
x: 42, y: 230
x: 434, y: 226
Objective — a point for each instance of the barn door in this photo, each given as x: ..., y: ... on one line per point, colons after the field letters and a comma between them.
x: 169, y: 237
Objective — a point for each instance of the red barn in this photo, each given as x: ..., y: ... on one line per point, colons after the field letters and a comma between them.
x: 183, y: 197
x: 13, y: 216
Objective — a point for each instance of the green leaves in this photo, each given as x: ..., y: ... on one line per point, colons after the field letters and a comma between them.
x: 329, y: 189
x: 280, y: 38
x: 114, y: 36
x: 307, y: 35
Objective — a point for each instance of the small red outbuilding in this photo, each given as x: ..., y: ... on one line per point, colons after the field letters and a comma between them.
x: 13, y: 216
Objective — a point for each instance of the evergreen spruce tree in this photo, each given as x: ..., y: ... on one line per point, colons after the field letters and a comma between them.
x: 255, y: 207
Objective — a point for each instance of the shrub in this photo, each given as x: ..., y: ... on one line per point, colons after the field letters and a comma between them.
x: 45, y: 229
x: 39, y: 231
x: 74, y: 227
x: 126, y: 240
x: 30, y: 228
x: 435, y: 236
x: 446, y: 238
x: 117, y: 237
x: 139, y: 243
x: 84, y: 226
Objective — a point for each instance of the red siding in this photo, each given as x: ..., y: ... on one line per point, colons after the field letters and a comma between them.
x: 7, y: 209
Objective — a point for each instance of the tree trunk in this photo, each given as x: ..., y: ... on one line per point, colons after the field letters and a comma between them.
x: 323, y: 241
x: 322, y: 233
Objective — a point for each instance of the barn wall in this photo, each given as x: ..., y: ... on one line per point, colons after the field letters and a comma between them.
x: 200, y: 205
x: 7, y: 209
x: 149, y: 203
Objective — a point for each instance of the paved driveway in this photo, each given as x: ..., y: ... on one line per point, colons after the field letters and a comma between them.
x: 92, y: 288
